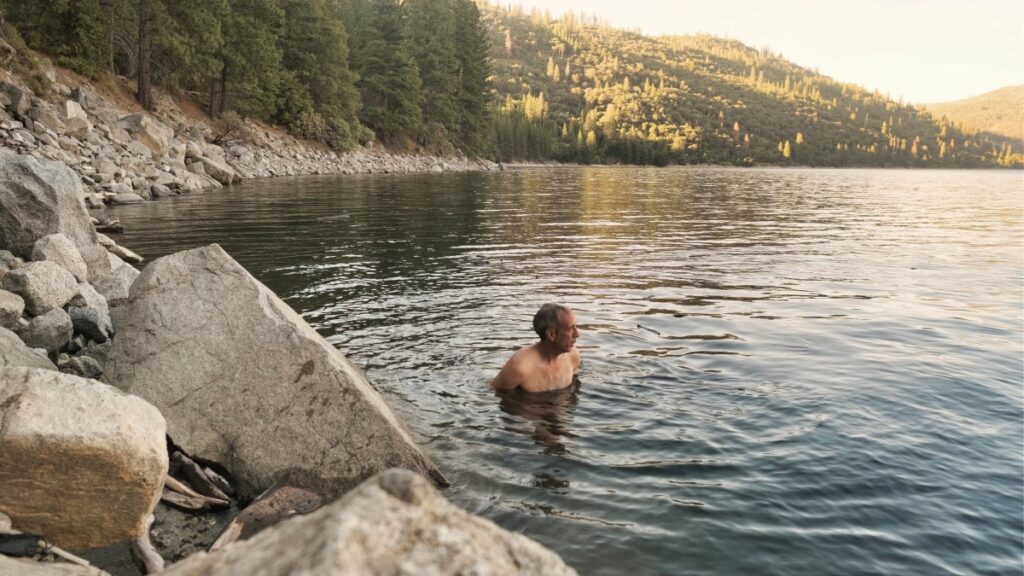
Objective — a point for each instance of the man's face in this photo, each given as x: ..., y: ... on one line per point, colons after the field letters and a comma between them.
x: 565, y: 334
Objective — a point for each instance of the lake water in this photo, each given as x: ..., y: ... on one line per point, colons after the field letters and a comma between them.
x: 785, y: 371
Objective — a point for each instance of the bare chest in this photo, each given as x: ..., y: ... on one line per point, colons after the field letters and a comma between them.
x: 542, y: 377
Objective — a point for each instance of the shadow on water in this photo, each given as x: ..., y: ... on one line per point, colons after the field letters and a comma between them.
x: 548, y: 415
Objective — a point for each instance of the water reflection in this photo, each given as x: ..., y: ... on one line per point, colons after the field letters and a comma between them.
x: 549, y: 415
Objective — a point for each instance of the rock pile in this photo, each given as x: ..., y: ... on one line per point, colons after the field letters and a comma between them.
x: 125, y: 158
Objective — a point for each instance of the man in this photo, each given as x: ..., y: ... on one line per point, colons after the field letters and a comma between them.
x: 549, y: 364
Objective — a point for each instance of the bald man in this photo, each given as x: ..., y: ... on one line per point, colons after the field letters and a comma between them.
x: 549, y: 364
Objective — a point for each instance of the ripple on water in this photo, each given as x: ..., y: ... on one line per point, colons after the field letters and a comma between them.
x: 785, y: 371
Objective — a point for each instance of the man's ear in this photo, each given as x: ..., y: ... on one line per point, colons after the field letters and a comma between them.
x: 549, y: 334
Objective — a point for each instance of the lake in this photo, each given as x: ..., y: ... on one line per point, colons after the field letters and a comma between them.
x: 785, y: 371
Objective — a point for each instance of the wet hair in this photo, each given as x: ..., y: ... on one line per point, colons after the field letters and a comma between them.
x: 547, y: 317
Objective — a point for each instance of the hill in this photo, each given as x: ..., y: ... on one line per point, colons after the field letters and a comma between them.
x: 578, y: 90
x: 999, y: 112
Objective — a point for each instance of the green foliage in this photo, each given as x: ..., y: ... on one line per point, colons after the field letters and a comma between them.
x: 389, y: 81
x: 251, y: 70
x: 229, y: 127
x: 74, y: 32
x: 318, y: 82
x: 473, y: 78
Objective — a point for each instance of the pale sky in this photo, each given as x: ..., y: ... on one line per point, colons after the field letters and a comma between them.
x: 923, y: 50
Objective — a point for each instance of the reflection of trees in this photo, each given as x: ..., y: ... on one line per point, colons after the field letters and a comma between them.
x: 549, y: 413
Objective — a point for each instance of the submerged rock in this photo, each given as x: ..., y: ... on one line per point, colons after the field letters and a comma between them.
x: 83, y: 463
x: 243, y: 380
x: 394, y: 523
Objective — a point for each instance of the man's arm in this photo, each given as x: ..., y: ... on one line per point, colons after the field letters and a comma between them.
x: 511, y: 376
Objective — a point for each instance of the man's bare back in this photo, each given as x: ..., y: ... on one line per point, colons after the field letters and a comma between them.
x: 549, y: 364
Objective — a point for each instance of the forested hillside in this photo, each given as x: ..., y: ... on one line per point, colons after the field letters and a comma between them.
x: 412, y: 74
x: 437, y: 76
x: 999, y: 112
x: 583, y: 91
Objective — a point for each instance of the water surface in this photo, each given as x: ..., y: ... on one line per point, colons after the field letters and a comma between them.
x: 785, y: 371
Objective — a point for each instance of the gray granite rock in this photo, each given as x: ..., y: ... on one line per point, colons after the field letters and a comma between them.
x: 87, y: 322
x: 14, y: 352
x: 88, y: 298
x: 57, y: 248
x: 96, y: 260
x: 43, y: 285
x: 38, y: 198
x: 50, y: 331
x: 127, y: 198
x: 394, y: 523
x: 12, y: 307
x: 114, y: 285
x: 151, y: 132
x: 83, y: 366
x: 84, y: 464
x: 186, y: 343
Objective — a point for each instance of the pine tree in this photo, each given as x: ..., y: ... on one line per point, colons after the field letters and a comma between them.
x: 319, y: 98
x: 474, y: 72
x: 250, y: 59
x: 432, y: 42
x: 389, y: 83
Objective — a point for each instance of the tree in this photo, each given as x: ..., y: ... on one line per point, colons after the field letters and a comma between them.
x: 432, y: 40
x: 250, y: 59
x: 389, y: 83
x: 319, y: 98
x: 474, y: 72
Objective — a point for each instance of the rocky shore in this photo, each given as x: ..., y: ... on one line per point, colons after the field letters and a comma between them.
x: 128, y: 155
x: 180, y: 418
x: 188, y: 411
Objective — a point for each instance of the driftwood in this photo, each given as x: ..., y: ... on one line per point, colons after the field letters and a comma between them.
x: 144, y: 553
x: 274, y: 505
x: 179, y: 495
x: 197, y: 476
x: 110, y: 226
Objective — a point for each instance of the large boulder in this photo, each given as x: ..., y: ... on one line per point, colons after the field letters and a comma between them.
x: 84, y: 464
x: 243, y: 380
x: 38, y: 198
x: 151, y: 132
x: 43, y: 285
x: 58, y: 249
x: 219, y: 170
x: 394, y: 523
x: 14, y: 352
x: 50, y: 331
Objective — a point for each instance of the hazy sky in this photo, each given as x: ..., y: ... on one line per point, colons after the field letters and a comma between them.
x: 922, y: 50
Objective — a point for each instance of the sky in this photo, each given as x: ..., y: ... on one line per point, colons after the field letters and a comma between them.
x: 922, y: 51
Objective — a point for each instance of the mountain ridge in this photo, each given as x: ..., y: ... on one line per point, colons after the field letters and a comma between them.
x: 583, y: 91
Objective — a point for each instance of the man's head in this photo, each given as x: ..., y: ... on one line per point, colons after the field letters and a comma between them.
x: 556, y: 324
